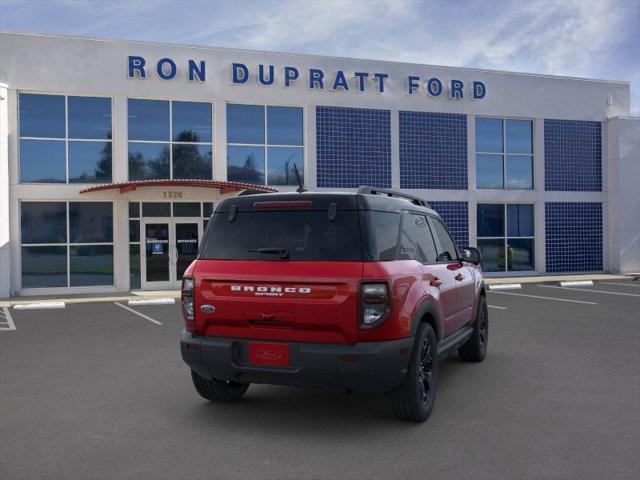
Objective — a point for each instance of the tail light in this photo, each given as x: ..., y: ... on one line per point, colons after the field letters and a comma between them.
x: 188, y: 305
x: 374, y: 304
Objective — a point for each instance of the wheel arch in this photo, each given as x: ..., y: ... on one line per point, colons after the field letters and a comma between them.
x: 428, y: 313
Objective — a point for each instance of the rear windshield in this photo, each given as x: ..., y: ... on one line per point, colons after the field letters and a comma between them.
x: 278, y: 235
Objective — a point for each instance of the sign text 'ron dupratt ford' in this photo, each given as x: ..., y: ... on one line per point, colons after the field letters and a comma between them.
x: 313, y: 78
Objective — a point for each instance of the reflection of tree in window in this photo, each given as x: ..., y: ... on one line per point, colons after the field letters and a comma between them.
x: 188, y: 161
x: 248, y: 172
x: 151, y: 168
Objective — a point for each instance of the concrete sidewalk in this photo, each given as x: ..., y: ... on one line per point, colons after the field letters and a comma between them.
x: 175, y: 294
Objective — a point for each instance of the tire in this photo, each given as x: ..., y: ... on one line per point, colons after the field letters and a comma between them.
x: 413, y: 399
x: 218, y: 390
x: 476, y: 347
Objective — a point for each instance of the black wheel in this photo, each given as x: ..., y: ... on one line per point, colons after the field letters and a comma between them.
x: 476, y: 347
x: 218, y: 390
x: 413, y: 399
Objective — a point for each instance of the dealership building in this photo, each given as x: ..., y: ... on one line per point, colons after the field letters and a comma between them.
x: 113, y: 155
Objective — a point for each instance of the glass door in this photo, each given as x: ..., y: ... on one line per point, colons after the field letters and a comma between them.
x: 187, y: 234
x: 156, y: 260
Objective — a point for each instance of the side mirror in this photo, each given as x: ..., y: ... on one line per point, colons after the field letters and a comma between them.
x: 471, y: 255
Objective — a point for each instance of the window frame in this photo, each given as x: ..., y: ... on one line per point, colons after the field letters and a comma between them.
x: 504, y: 154
x: 170, y: 142
x: 66, y: 139
x: 67, y: 244
x: 432, y: 218
x: 506, y: 236
x: 266, y: 145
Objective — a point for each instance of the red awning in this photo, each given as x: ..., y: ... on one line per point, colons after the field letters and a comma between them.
x: 224, y: 187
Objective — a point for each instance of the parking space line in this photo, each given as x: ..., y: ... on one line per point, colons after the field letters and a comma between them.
x: 545, y: 298
x: 591, y: 290
x: 622, y: 284
x: 138, y: 313
x: 497, y: 307
x: 8, y: 321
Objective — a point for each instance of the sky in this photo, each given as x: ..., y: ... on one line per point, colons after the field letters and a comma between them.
x: 580, y: 38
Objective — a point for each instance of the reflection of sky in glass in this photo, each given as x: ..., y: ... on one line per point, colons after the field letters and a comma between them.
x: 281, y: 161
x: 489, y: 171
x: 489, y: 135
x: 148, y: 119
x: 245, y: 124
x: 89, y: 162
x: 191, y: 121
x: 42, y: 161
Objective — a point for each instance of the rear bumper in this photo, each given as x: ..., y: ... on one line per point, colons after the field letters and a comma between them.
x: 368, y: 366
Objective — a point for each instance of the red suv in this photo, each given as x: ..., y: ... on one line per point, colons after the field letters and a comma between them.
x: 363, y: 291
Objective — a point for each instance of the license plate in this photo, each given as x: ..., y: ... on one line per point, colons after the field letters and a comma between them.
x: 269, y: 354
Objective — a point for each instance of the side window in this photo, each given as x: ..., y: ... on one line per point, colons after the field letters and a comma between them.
x: 382, y: 234
x: 447, y: 251
x: 416, y: 240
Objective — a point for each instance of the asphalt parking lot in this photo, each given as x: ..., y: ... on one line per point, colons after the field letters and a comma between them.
x: 96, y: 391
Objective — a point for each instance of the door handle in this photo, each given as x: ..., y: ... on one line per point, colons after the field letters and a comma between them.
x: 436, y: 282
x: 459, y: 277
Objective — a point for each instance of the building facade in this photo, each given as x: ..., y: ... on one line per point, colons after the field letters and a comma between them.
x: 113, y: 155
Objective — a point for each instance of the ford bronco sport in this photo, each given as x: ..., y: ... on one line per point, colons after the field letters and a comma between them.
x: 363, y: 291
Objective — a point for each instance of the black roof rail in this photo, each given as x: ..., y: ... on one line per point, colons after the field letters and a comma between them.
x: 393, y: 193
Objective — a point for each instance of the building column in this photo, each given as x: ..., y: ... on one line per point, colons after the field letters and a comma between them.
x: 5, y: 244
x: 623, y: 195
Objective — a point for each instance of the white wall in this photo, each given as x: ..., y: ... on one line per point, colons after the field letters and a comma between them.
x: 50, y: 64
x: 623, y: 152
x: 5, y: 250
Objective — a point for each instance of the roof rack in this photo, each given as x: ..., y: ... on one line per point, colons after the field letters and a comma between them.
x: 393, y: 193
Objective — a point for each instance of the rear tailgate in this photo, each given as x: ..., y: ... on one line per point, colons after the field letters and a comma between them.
x: 302, y: 301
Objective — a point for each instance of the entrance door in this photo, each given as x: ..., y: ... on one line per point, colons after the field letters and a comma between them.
x: 170, y: 246
x: 187, y: 234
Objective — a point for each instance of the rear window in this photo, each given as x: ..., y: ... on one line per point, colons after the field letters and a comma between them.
x: 275, y: 235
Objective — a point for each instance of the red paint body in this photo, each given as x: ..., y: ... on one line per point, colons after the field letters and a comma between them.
x: 330, y: 311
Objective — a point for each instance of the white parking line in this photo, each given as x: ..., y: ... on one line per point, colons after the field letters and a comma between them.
x: 39, y: 305
x: 546, y: 298
x: 622, y: 284
x: 591, y: 290
x: 497, y: 307
x: 8, y: 324
x: 153, y: 301
x: 138, y: 313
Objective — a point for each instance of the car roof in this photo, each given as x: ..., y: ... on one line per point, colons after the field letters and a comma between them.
x: 322, y: 201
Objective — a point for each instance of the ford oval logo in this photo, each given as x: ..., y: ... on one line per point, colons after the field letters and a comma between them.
x: 208, y: 308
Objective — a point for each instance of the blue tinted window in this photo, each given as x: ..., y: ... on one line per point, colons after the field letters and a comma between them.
x: 284, y: 126
x: 281, y: 162
x: 44, y: 267
x: 489, y: 171
x: 207, y: 209
x: 41, y: 115
x: 134, y: 230
x: 493, y: 258
x: 186, y: 209
x: 191, y: 122
x: 490, y: 220
x: 520, y: 171
x: 148, y: 160
x: 489, y: 135
x: 43, y: 222
x: 519, y: 136
x: 89, y: 162
x: 245, y: 124
x: 520, y: 220
x: 148, y: 120
x: 42, y: 161
x: 134, y: 210
x: 91, y: 265
x: 90, y: 222
x: 245, y: 164
x: 520, y: 254
x: 192, y: 161
x: 156, y: 209
x: 134, y: 266
x: 89, y: 117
